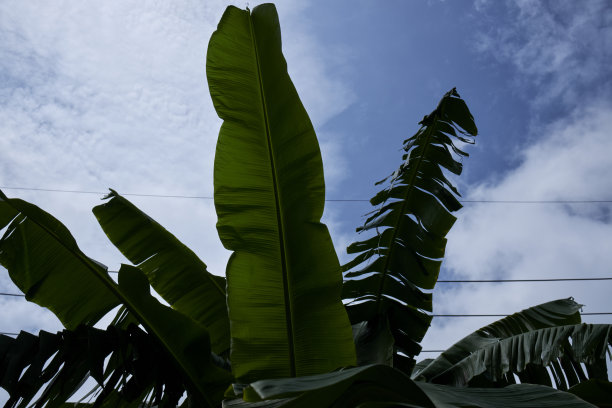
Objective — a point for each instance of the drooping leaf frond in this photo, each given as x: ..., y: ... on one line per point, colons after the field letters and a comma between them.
x: 560, y: 312
x: 512, y: 396
x: 561, y: 349
x: 138, y: 369
x: 384, y: 281
x: 174, y: 271
x: 45, y: 262
x: 536, y: 344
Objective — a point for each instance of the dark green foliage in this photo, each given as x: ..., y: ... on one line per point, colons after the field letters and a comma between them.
x: 58, y: 364
x: 597, y: 392
x: 384, y: 281
x: 512, y: 396
x: 283, y: 277
x: 560, y: 348
x: 561, y: 312
x: 175, y: 272
x: 284, y: 322
x: 44, y: 261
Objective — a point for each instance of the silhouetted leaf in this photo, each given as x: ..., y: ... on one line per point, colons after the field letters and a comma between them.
x: 284, y: 279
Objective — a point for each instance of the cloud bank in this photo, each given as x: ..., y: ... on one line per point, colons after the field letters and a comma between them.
x: 114, y: 94
x: 560, y: 53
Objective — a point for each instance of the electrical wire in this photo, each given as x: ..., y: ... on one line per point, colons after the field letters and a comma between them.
x: 434, y: 315
x: 506, y: 315
x: 12, y: 294
x: 55, y: 190
x: 444, y: 281
x: 521, y: 280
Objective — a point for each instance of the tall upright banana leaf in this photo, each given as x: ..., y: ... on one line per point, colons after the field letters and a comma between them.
x: 283, y: 278
x: 384, y: 281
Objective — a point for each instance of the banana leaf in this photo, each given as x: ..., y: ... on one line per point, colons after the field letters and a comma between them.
x: 512, y: 396
x: 374, y: 342
x: 561, y: 348
x: 239, y: 403
x: 597, y: 392
x: 560, y: 312
x: 380, y: 386
x: 58, y: 364
x: 174, y: 271
x: 386, y: 278
x: 345, y: 388
x: 45, y: 262
x: 283, y: 277
x: 185, y: 340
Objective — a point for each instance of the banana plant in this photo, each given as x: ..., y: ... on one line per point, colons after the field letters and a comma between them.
x: 284, y: 328
x: 403, y: 256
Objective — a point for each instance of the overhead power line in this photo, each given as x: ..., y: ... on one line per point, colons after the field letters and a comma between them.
x: 434, y: 315
x: 520, y: 280
x: 442, y: 281
x: 12, y: 294
x: 448, y: 281
x: 55, y: 190
x: 505, y: 315
x: 537, y: 201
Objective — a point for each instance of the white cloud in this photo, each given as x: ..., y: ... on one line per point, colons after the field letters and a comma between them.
x: 561, y: 50
x: 570, y: 160
x: 558, y: 55
x: 114, y: 94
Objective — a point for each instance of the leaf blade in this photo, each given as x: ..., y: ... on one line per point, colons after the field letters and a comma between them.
x: 513, y: 396
x: 514, y: 340
x: 46, y: 264
x: 409, y: 226
x: 174, y: 271
x: 284, y: 276
x: 37, y: 262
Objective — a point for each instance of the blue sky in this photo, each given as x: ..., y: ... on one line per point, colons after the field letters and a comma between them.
x: 113, y: 94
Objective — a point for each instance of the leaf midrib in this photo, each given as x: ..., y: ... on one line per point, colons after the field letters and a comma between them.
x: 411, y: 186
x: 277, y: 202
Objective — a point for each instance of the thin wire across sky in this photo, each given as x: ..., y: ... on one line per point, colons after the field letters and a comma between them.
x: 54, y: 190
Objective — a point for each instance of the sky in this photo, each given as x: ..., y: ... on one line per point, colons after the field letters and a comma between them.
x: 98, y: 95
